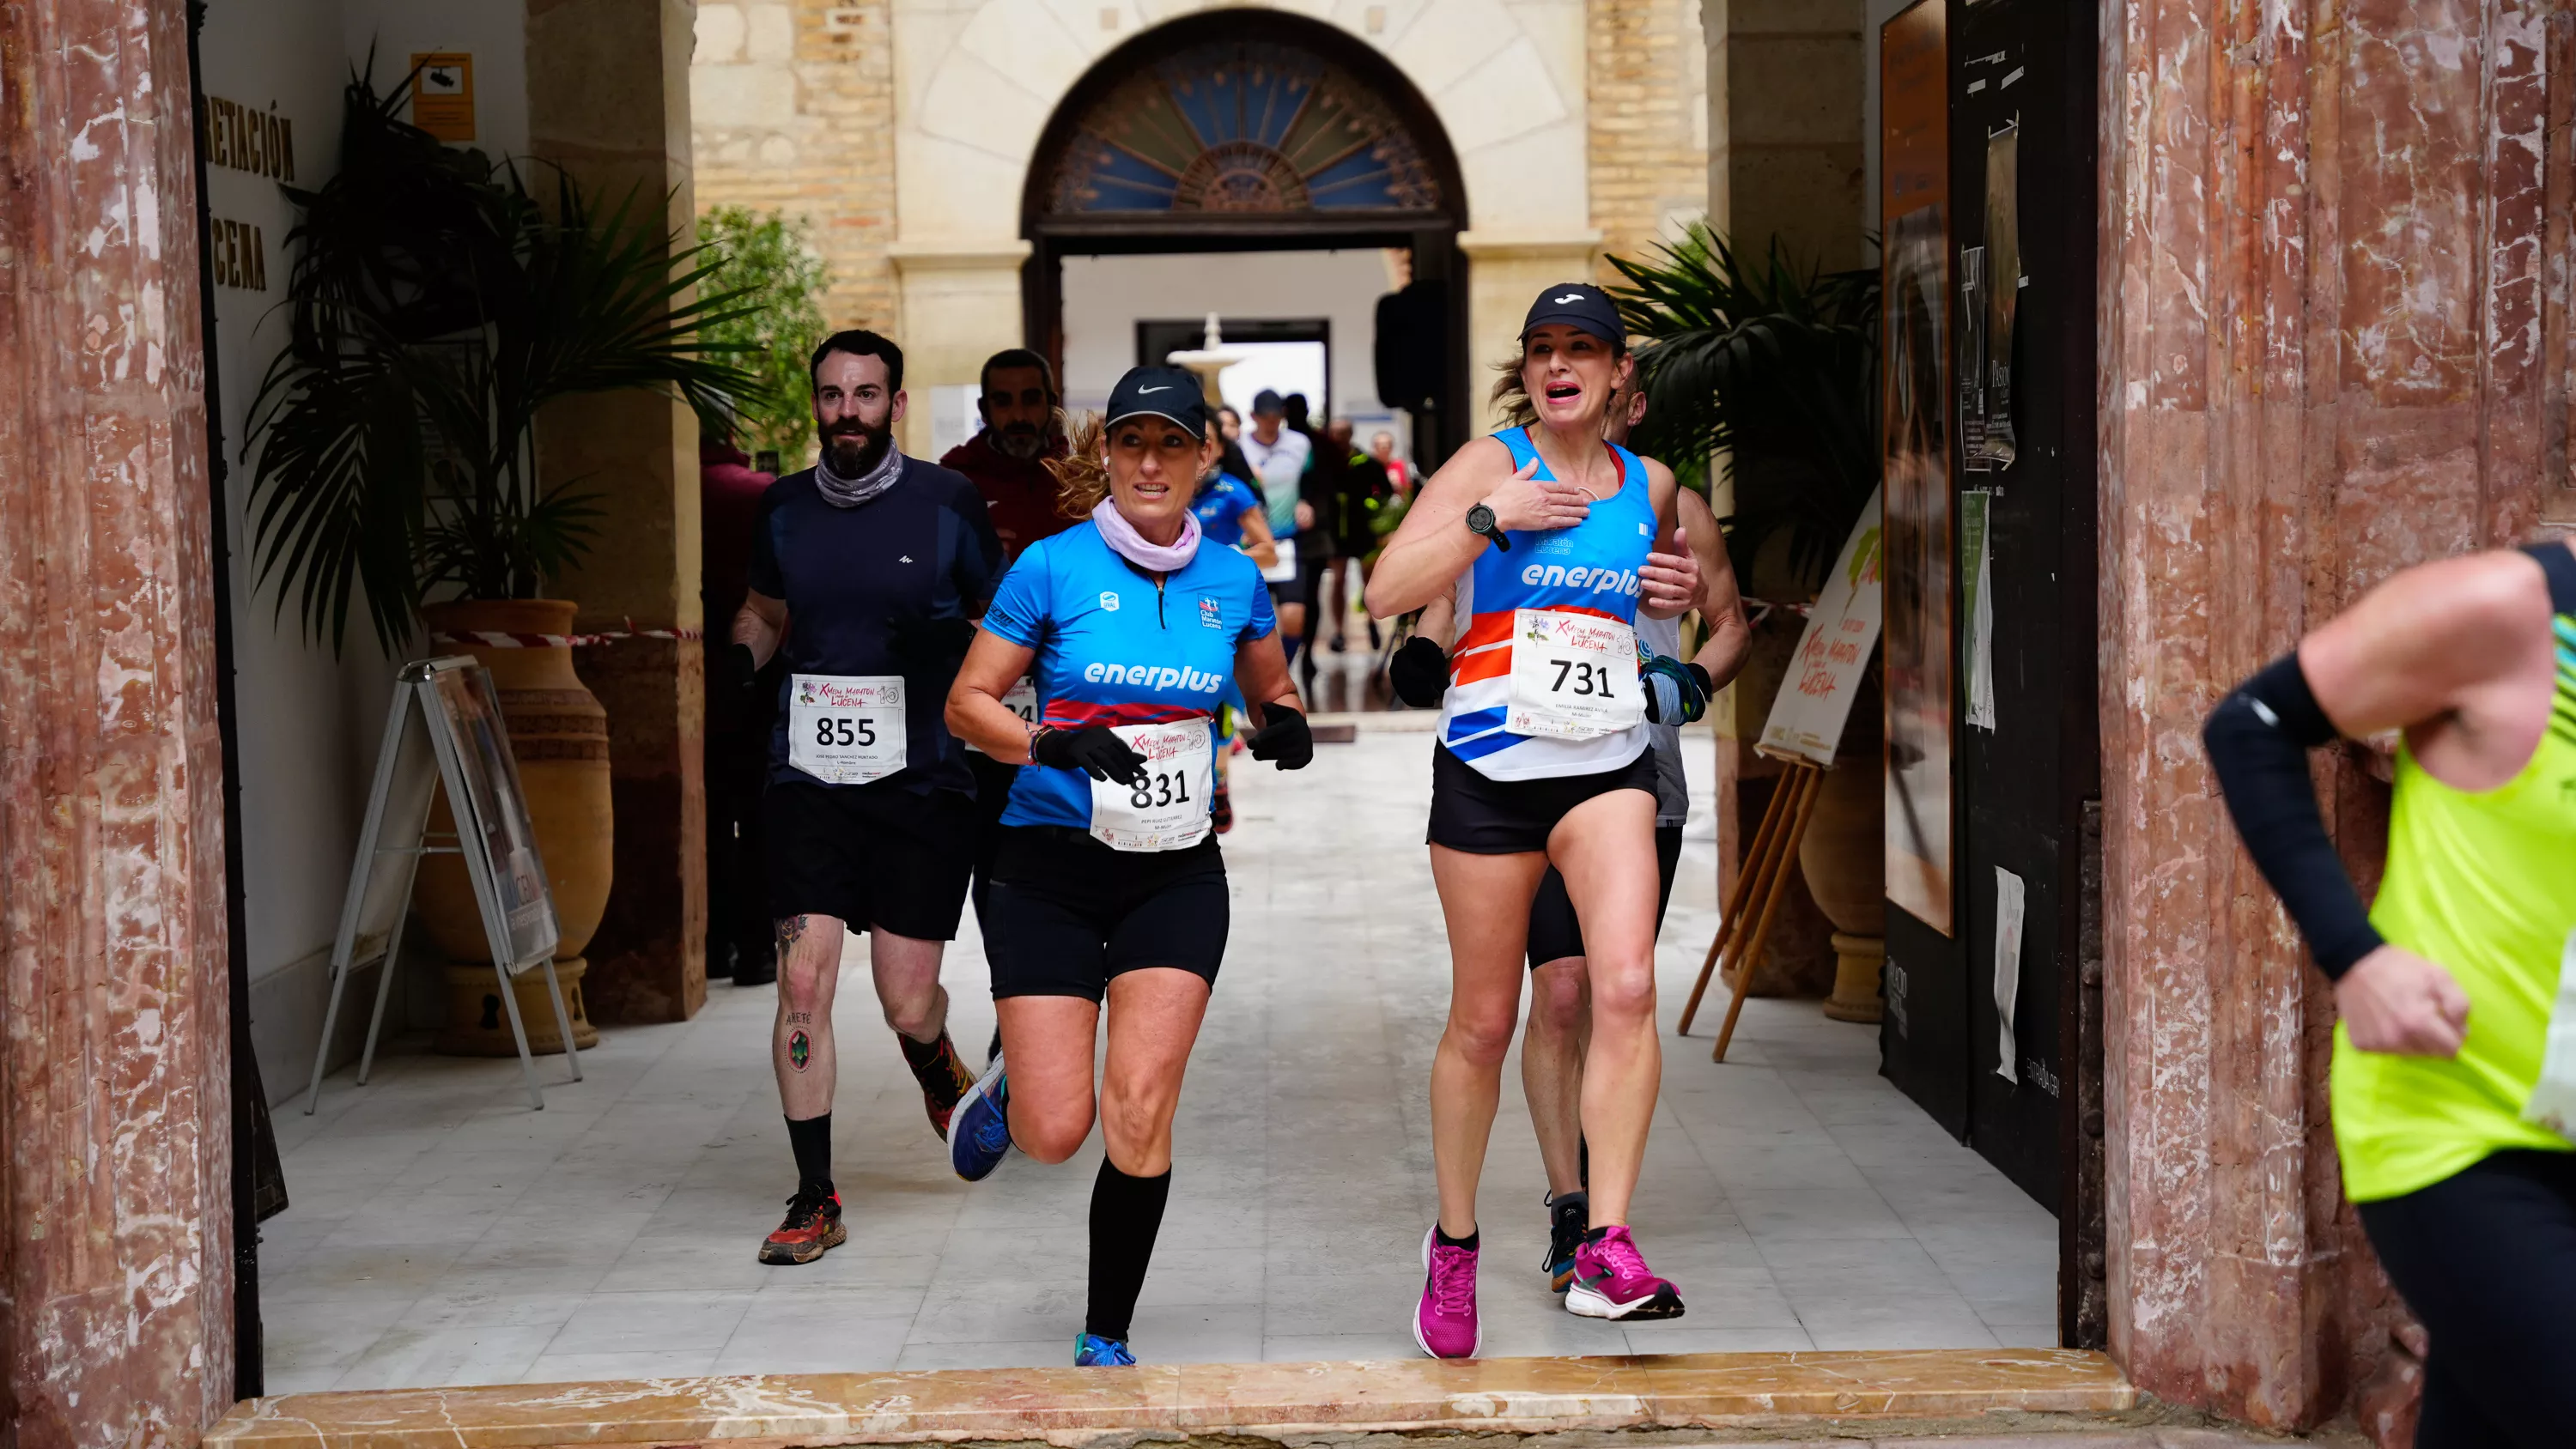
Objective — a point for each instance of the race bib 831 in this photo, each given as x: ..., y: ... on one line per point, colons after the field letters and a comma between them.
x: 1574, y: 676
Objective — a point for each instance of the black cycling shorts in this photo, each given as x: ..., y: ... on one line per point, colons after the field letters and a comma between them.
x: 869, y: 855
x: 2486, y: 1258
x: 1066, y: 913
x: 1509, y: 817
x: 1555, y: 934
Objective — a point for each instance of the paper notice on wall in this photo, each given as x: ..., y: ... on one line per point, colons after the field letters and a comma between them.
x: 1976, y: 545
x: 442, y: 94
x: 2008, y: 914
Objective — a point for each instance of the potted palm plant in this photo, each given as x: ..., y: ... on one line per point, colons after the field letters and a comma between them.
x: 1772, y: 370
x: 435, y: 309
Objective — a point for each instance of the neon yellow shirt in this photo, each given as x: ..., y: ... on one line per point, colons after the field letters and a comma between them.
x: 2484, y: 883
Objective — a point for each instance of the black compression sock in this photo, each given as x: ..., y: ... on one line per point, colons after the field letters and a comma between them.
x: 1126, y: 1214
x: 924, y: 1057
x: 1468, y: 1242
x: 811, y: 1140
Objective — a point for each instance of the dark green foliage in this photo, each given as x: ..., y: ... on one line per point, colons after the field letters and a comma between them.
x: 1774, y: 368
x: 434, y: 309
x: 764, y: 260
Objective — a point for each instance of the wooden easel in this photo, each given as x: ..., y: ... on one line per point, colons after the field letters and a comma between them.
x: 1742, y: 932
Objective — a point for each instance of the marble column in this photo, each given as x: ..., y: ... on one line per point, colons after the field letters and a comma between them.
x: 2332, y: 344
x: 115, y: 1270
x: 608, y: 100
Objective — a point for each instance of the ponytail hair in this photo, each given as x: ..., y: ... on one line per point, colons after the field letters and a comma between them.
x: 1081, y: 475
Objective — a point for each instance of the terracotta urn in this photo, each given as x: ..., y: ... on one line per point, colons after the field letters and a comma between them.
x: 479, y: 1026
x: 559, y: 735
x: 1844, y: 858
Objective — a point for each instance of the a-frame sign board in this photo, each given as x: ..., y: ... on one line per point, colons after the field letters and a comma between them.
x: 445, y: 729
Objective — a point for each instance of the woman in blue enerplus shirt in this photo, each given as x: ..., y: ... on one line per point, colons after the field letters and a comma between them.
x: 1108, y: 884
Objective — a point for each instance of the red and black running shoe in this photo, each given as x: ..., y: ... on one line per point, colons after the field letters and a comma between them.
x: 812, y: 1227
x: 1222, y: 808
x: 943, y: 1077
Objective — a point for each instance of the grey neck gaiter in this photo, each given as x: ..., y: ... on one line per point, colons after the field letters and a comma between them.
x: 843, y: 492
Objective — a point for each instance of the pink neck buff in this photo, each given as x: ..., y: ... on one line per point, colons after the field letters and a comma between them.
x: 1127, y: 543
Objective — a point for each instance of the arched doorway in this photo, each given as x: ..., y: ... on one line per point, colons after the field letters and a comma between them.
x: 1249, y: 130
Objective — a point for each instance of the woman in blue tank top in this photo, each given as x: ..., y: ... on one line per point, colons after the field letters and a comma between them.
x: 1554, y: 543
x: 1107, y: 885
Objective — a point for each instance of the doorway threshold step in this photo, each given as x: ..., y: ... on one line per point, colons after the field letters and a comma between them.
x: 1069, y: 1406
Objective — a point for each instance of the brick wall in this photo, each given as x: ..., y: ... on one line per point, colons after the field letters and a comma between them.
x: 793, y: 106
x: 1647, y: 74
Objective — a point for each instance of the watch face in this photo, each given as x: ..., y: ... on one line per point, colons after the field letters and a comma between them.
x: 1480, y: 519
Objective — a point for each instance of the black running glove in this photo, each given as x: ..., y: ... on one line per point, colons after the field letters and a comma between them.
x: 742, y: 670
x: 1419, y: 673
x: 926, y: 646
x: 1676, y: 692
x: 1093, y: 749
x: 1283, y: 738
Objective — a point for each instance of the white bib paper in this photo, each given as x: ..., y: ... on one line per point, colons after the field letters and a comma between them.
x: 2553, y: 1097
x: 1574, y: 676
x: 1169, y: 809
x: 845, y: 729
x: 1020, y: 699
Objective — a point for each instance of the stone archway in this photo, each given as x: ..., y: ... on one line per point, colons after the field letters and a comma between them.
x: 1238, y: 130
x: 976, y: 90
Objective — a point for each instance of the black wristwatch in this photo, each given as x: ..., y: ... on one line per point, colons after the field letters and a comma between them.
x: 1480, y: 522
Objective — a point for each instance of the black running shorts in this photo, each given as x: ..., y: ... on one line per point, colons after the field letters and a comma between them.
x: 1066, y: 913
x: 2486, y: 1259
x: 1555, y: 934
x: 1509, y: 817
x: 869, y: 855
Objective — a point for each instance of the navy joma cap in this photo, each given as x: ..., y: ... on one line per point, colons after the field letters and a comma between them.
x: 1577, y: 304
x: 1163, y: 392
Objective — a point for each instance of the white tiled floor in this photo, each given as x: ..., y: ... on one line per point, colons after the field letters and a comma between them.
x: 442, y: 1233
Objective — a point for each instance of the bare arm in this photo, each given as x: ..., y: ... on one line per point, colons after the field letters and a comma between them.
x: 2455, y: 653
x: 1669, y: 585
x: 976, y: 713
x: 1730, y: 638
x: 1439, y: 621
x: 1432, y: 546
x: 1257, y: 539
x: 760, y: 623
x: 1261, y: 668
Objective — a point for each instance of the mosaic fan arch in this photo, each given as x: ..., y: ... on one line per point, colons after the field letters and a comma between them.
x: 1242, y: 128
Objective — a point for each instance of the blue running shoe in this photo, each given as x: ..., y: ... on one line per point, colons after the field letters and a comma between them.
x: 1090, y: 1350
x: 979, y: 1131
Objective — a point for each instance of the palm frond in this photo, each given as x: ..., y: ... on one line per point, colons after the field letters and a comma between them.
x: 1770, y: 367
x: 435, y: 308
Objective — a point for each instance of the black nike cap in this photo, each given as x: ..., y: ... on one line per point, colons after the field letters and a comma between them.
x: 1577, y: 304
x: 1162, y: 392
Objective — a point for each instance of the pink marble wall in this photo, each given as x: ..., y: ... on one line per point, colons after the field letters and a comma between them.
x: 2332, y: 345
x: 115, y: 1294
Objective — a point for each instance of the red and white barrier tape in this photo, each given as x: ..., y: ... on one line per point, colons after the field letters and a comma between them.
x: 1760, y: 609
x: 501, y: 639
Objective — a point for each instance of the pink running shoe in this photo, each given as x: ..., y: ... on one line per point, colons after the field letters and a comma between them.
x: 1611, y: 1280
x: 1444, y: 1324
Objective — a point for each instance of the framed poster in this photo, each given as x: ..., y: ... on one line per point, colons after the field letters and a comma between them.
x: 1915, y: 459
x: 492, y: 817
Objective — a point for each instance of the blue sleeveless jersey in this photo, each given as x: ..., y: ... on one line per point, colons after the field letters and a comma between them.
x: 1115, y: 649
x: 1591, y: 568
